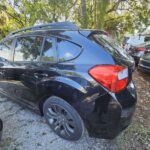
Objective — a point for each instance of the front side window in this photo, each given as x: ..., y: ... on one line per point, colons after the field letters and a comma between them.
x: 49, y: 51
x: 6, y: 50
x: 28, y: 48
x: 67, y: 50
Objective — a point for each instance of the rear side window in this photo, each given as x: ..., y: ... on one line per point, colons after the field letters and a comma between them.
x: 28, y: 48
x: 6, y: 50
x: 67, y: 50
x: 49, y: 51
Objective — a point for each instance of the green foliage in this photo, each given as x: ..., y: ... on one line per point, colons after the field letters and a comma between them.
x: 115, y: 16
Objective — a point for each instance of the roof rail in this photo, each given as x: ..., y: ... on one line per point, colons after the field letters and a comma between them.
x: 58, y: 25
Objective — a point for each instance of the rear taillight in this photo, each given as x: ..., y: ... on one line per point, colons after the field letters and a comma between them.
x: 112, y: 77
x: 140, y: 49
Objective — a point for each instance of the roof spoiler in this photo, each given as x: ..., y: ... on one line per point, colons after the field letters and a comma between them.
x: 88, y: 33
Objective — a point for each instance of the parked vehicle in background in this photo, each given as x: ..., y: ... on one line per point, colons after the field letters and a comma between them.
x: 138, y: 51
x: 1, y: 128
x: 134, y: 40
x: 144, y: 63
x: 75, y: 78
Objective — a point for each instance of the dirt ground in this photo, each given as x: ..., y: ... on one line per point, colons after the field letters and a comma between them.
x: 137, y: 136
x: 25, y: 130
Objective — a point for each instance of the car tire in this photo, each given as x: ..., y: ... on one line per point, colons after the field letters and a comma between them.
x: 63, y: 119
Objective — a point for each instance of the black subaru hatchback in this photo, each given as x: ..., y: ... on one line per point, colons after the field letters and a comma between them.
x: 76, y: 78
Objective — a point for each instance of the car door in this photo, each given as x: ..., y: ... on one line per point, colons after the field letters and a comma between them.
x: 6, y: 64
x: 34, y: 59
x: 47, y: 67
x: 26, y: 59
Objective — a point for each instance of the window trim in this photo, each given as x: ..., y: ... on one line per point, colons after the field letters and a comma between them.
x: 55, y: 37
x: 59, y: 37
x: 55, y: 52
x: 81, y: 48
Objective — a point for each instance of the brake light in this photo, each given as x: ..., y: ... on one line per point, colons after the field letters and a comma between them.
x: 112, y: 77
x: 140, y: 49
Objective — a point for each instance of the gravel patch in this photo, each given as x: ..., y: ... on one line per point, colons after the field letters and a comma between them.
x: 26, y: 130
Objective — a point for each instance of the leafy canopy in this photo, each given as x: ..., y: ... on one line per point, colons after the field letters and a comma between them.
x: 114, y: 16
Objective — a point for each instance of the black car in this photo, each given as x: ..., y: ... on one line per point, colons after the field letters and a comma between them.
x: 144, y: 63
x: 139, y: 50
x: 75, y: 78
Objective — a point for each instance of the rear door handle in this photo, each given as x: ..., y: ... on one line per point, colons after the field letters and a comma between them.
x: 40, y: 75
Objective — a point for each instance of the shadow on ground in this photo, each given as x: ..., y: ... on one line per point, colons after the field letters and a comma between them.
x: 25, y: 130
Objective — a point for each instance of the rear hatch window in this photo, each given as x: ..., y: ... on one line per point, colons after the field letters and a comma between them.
x: 109, y: 45
x: 112, y: 47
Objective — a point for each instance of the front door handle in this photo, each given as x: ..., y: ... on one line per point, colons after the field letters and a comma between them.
x: 40, y: 75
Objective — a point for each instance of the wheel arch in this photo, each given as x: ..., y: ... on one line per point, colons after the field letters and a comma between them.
x: 65, y: 88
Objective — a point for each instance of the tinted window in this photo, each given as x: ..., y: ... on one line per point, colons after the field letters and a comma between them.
x: 28, y: 48
x: 48, y: 53
x: 109, y: 45
x: 67, y: 50
x: 6, y: 50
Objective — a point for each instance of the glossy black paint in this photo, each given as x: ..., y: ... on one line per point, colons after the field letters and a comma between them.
x: 105, y: 114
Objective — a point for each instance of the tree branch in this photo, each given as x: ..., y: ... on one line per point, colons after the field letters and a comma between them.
x: 114, y: 7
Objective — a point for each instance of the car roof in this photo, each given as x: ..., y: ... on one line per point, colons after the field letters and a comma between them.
x: 60, y: 29
x: 55, y: 32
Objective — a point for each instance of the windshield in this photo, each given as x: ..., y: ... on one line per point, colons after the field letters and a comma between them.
x: 110, y: 45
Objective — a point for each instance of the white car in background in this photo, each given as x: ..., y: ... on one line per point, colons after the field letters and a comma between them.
x: 134, y: 40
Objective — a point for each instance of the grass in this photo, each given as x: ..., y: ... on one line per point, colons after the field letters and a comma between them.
x: 136, y: 137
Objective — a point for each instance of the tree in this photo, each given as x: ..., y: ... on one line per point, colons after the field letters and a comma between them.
x: 84, y: 13
x: 115, y: 16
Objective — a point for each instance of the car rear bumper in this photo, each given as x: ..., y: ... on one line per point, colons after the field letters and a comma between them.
x: 110, y: 116
x: 110, y: 124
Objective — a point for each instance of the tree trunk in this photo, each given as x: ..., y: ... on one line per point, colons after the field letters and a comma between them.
x: 101, y: 12
x: 84, y: 13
